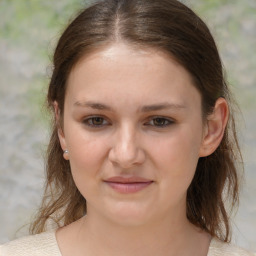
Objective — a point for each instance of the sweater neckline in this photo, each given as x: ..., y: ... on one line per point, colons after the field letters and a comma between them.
x: 212, y: 245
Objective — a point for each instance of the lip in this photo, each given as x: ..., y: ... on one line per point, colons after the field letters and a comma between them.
x: 126, y: 185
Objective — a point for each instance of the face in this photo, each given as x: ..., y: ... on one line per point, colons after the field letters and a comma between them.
x: 133, y: 128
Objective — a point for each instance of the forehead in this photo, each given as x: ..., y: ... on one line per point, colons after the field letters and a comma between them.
x: 131, y: 74
x: 129, y: 56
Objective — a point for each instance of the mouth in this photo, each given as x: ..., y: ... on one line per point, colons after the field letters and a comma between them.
x: 128, y: 185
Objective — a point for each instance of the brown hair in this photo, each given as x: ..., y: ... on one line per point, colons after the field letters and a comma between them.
x: 169, y: 26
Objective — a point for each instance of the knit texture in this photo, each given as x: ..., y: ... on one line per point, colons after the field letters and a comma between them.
x: 45, y: 244
x: 219, y: 248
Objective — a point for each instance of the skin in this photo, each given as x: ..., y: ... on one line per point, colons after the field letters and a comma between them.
x: 129, y: 141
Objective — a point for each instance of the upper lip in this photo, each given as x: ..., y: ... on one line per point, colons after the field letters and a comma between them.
x: 132, y: 179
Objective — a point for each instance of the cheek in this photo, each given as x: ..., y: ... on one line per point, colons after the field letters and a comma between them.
x: 178, y: 156
x: 86, y: 160
x: 86, y: 152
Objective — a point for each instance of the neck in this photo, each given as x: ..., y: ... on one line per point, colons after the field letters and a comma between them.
x: 165, y: 237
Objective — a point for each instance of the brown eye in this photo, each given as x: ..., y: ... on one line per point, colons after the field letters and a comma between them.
x: 95, y: 121
x: 160, y: 122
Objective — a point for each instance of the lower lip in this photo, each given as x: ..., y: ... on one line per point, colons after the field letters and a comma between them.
x: 126, y: 188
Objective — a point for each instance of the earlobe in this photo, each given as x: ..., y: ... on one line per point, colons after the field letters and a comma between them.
x: 216, y: 124
x: 61, y: 134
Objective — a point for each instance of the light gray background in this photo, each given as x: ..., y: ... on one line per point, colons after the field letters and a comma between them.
x: 28, y: 32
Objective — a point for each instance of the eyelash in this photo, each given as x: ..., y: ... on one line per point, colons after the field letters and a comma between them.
x: 167, y: 122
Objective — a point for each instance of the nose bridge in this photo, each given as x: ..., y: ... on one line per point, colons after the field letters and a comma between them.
x: 125, y: 141
x: 126, y: 150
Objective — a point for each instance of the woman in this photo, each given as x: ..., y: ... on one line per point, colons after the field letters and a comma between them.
x: 143, y: 149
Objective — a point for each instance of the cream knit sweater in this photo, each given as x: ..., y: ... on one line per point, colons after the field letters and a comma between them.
x: 45, y: 244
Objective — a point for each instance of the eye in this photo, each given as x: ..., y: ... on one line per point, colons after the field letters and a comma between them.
x: 160, y: 122
x: 95, y: 121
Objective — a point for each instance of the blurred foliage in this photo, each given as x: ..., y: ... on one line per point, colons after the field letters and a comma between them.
x: 233, y: 25
x: 32, y: 23
x: 30, y: 29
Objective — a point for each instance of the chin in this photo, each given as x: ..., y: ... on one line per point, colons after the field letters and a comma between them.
x: 129, y: 215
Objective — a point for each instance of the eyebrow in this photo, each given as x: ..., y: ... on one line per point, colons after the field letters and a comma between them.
x: 146, y: 108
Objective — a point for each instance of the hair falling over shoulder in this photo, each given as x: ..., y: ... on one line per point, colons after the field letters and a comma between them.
x: 169, y: 26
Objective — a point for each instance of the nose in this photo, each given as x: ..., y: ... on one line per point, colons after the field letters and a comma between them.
x: 126, y: 151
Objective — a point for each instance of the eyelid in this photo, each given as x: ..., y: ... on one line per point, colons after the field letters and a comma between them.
x: 152, y: 118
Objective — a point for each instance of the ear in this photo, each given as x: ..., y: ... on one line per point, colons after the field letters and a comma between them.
x: 60, y: 130
x: 214, y: 128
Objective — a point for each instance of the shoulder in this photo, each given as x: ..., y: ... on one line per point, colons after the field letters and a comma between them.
x: 43, y: 244
x: 219, y: 248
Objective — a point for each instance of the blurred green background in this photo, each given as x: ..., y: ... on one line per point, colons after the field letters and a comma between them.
x: 29, y: 30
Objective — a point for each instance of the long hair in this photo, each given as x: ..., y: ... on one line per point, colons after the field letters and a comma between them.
x: 171, y: 27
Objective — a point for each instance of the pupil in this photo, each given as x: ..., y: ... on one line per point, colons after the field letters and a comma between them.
x: 159, y: 121
x: 97, y: 120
